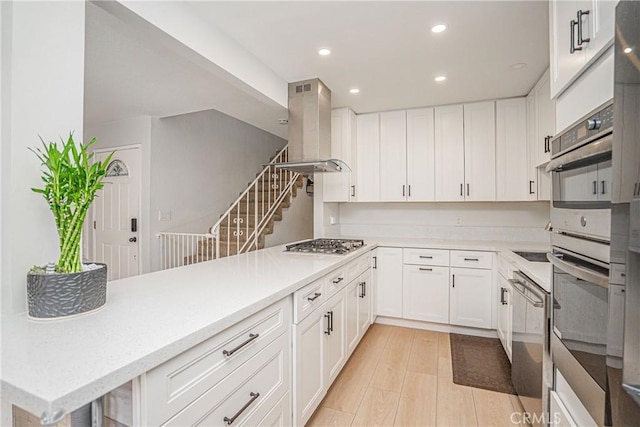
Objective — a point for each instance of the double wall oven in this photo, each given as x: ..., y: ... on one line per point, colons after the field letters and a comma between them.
x: 581, y: 218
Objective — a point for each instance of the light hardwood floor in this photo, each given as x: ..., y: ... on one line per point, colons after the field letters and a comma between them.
x: 403, y: 377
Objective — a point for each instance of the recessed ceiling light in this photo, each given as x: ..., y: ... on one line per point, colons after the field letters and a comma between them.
x: 628, y: 50
x: 440, y: 79
x: 517, y: 66
x: 324, y: 51
x: 438, y: 28
x: 354, y: 90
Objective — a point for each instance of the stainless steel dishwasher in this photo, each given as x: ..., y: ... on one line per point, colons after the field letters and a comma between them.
x: 530, y: 345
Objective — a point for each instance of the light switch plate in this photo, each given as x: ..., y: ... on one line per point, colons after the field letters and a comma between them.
x: 164, y: 215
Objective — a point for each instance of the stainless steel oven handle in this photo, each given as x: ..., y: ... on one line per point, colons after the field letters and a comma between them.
x: 591, y: 149
x: 515, y: 282
x: 579, y: 272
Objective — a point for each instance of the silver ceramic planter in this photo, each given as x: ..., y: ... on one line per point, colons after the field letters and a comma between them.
x: 54, y: 296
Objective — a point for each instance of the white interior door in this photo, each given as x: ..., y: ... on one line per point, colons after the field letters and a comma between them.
x: 116, y: 228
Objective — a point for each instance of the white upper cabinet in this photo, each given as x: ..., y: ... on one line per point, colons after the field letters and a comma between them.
x: 580, y: 31
x: 338, y: 187
x: 393, y: 156
x: 545, y: 117
x: 449, y: 153
x: 368, y: 158
x: 480, y: 151
x: 420, y: 155
x: 532, y: 153
x: 511, y: 150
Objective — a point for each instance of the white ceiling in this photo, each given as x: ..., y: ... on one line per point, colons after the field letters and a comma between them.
x: 384, y: 48
x: 388, y: 51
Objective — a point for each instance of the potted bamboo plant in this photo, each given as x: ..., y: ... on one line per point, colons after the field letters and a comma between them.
x: 71, y: 180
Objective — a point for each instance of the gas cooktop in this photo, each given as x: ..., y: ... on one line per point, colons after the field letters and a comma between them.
x: 326, y: 246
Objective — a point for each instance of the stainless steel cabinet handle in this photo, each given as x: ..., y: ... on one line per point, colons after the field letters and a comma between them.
x: 253, y: 396
x: 502, y: 291
x: 426, y: 256
x: 251, y: 338
x: 472, y: 259
x: 403, y: 191
x: 338, y: 280
x: 603, y: 186
x: 467, y: 189
x: 453, y: 280
x: 580, y: 39
x: 353, y: 191
x: 375, y: 262
x: 409, y: 190
x: 573, y: 48
x: 595, y: 187
x: 425, y: 269
x: 361, y: 284
x: 461, y: 185
x: 530, y: 187
x: 364, y: 287
x: 328, y: 317
x: 331, y: 320
x: 315, y: 296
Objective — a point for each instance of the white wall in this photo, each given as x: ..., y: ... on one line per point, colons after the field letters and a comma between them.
x: 5, y: 25
x: 297, y: 221
x: 479, y: 221
x: 43, y: 83
x: 200, y: 163
x: 133, y: 131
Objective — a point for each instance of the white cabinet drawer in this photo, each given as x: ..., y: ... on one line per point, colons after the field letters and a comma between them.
x: 471, y: 259
x: 336, y: 280
x: 358, y: 266
x: 438, y: 257
x: 309, y: 298
x: 247, y: 395
x: 170, y: 387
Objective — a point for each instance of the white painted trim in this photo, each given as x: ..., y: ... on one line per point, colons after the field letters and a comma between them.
x: 438, y: 327
x: 142, y: 242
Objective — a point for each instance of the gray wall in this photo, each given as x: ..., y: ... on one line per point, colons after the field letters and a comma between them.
x: 200, y: 163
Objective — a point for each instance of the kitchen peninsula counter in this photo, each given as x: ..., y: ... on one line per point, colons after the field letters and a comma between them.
x: 151, y: 318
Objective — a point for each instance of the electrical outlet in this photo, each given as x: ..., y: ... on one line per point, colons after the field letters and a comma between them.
x: 459, y: 220
x: 333, y: 220
x: 164, y: 215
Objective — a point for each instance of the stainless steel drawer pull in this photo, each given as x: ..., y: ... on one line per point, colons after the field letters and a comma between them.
x: 251, y: 338
x: 254, y: 396
x: 426, y: 256
x: 425, y: 269
x: 315, y: 296
x: 338, y: 280
x: 472, y: 259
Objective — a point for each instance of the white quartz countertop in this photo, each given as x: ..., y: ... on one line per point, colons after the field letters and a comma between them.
x: 148, y: 319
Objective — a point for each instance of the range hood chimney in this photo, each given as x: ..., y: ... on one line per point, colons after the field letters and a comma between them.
x: 310, y: 129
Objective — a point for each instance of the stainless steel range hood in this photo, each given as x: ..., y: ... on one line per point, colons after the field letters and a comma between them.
x: 310, y: 129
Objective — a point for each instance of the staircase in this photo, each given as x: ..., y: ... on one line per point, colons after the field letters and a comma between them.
x: 243, y: 227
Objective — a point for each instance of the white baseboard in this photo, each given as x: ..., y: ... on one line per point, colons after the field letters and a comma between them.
x: 438, y: 327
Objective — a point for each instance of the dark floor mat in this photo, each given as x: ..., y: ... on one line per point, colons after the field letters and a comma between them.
x: 480, y: 362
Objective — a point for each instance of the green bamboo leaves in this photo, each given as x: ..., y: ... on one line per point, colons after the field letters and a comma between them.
x: 71, y: 180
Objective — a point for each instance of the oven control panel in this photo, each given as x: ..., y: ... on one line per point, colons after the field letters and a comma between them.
x: 600, y: 121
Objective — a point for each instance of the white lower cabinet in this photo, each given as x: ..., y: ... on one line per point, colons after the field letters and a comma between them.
x: 389, y: 281
x: 336, y: 344
x: 505, y: 314
x: 425, y: 293
x: 325, y: 338
x: 471, y: 297
x: 308, y: 365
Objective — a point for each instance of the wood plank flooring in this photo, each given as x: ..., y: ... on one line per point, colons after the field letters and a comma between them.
x: 403, y: 377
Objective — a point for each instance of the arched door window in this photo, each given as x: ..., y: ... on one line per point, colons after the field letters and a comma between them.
x: 117, y: 168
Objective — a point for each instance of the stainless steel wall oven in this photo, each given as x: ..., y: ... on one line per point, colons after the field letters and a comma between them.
x: 580, y: 242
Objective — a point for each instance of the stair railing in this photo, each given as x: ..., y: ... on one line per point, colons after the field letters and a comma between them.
x: 242, y: 224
